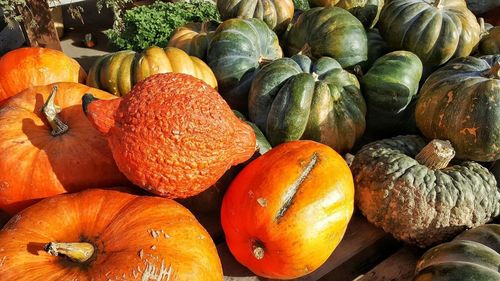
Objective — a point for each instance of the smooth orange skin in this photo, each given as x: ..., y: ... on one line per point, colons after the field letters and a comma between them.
x: 27, y: 67
x: 34, y: 164
x: 132, y: 234
x: 173, y: 134
x: 312, y: 227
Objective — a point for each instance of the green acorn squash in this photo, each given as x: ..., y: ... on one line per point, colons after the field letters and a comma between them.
x: 473, y: 255
x: 406, y: 187
x: 366, y: 11
x: 238, y: 47
x: 331, y: 32
x: 435, y: 30
x: 294, y: 98
x: 460, y: 102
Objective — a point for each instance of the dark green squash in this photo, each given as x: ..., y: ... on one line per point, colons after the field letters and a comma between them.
x: 435, y: 30
x: 366, y: 11
x: 377, y: 47
x: 331, y: 32
x: 275, y: 13
x: 389, y: 88
x: 460, y: 102
x: 479, y: 7
x: 237, y: 49
x: 473, y: 255
x: 490, y: 42
x: 294, y: 98
x: 405, y: 186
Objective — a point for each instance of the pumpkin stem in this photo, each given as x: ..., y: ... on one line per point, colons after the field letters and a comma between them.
x: 79, y: 252
x: 204, y: 27
x: 263, y: 61
x: 493, y: 72
x: 258, y: 250
x: 436, y: 155
x: 437, y: 3
x: 306, y: 50
x: 484, y: 32
x: 50, y: 110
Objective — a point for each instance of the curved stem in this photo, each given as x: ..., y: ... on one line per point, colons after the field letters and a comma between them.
x: 50, y: 111
x: 436, y: 155
x: 493, y: 72
x: 79, y: 252
x: 263, y: 61
x: 258, y: 250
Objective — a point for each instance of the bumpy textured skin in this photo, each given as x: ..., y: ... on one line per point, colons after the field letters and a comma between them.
x: 461, y: 104
x: 193, y: 38
x: 236, y: 50
x: 173, y: 135
x: 34, y: 164
x: 294, y: 98
x: 416, y: 204
x: 434, y: 34
x: 490, y: 44
x: 275, y: 13
x: 136, y: 238
x: 331, y: 32
x: 118, y: 72
x: 296, y: 201
x: 27, y: 67
x: 472, y: 255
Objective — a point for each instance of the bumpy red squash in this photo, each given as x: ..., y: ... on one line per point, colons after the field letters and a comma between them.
x: 107, y: 235
x: 172, y: 134
x: 26, y: 67
x: 287, y: 211
x: 47, y: 153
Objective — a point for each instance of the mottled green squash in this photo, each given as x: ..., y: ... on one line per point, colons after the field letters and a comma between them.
x: 460, y: 102
x: 366, y: 11
x: 405, y: 186
x: 294, y: 98
x: 377, y: 47
x: 490, y: 43
x: 237, y: 49
x: 435, y: 30
x: 275, y: 13
x: 331, y: 32
x: 473, y: 255
x: 388, y: 88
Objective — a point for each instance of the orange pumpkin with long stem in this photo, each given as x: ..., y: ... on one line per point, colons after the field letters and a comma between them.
x: 26, y: 67
x: 48, y: 147
x: 287, y: 211
x: 107, y: 235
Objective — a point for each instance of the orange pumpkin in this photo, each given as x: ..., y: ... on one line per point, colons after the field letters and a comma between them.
x: 47, y: 153
x: 26, y: 67
x: 173, y: 134
x: 287, y: 211
x: 107, y: 235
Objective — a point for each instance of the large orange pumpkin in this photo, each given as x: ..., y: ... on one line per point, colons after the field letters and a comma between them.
x: 41, y: 158
x: 173, y: 134
x: 107, y: 235
x: 287, y: 211
x: 26, y: 67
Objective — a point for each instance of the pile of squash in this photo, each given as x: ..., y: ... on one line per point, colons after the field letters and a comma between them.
x: 278, y: 123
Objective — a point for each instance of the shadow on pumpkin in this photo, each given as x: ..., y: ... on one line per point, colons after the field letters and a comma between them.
x: 35, y: 247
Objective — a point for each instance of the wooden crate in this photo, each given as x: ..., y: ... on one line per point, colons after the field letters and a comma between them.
x: 366, y: 253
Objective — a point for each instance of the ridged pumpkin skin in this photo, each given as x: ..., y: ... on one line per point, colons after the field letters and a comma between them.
x: 286, y: 222
x: 461, y: 103
x: 490, y: 44
x: 473, y: 255
x: 173, y: 135
x: 27, y: 67
x: 388, y: 88
x: 135, y: 238
x: 331, y: 32
x: 416, y: 204
x: 34, y: 164
x: 294, y: 98
x: 366, y: 11
x: 193, y: 38
x: 237, y: 49
x: 275, y: 13
x: 118, y: 72
x: 435, y: 33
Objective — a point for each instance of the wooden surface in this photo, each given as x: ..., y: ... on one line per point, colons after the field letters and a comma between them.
x: 362, y: 247
x: 38, y: 25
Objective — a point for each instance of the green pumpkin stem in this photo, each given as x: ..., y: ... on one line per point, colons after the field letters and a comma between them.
x: 493, y: 72
x: 258, y: 250
x: 484, y: 32
x: 50, y: 111
x: 78, y: 252
x: 436, y: 155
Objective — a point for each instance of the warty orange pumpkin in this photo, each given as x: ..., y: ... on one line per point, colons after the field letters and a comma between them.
x: 48, y: 147
x: 173, y: 134
x: 287, y: 211
x: 103, y: 235
x: 26, y: 67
